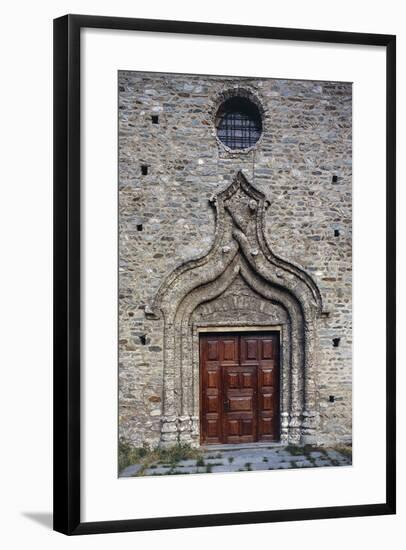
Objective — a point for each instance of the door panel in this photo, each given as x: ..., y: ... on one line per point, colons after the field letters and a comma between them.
x: 211, y: 399
x: 239, y: 404
x: 239, y: 387
x: 268, y: 388
x: 229, y: 350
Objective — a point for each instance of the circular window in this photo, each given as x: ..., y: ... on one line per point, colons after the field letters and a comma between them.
x: 238, y: 123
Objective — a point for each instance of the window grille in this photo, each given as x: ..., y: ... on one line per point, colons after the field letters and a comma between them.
x: 239, y: 124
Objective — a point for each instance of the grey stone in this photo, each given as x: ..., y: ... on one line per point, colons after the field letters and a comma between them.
x: 130, y: 470
x: 159, y: 470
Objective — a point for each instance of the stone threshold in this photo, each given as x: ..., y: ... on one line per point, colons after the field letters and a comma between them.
x: 243, y: 446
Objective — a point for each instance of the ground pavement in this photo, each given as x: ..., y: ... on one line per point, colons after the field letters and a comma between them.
x: 248, y: 459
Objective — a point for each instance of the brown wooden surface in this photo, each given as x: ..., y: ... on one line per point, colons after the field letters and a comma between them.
x: 239, y: 387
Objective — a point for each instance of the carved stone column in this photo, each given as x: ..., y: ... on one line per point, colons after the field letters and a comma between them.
x: 285, y: 427
x: 310, y: 413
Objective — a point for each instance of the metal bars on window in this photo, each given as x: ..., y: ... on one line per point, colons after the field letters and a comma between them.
x: 239, y: 123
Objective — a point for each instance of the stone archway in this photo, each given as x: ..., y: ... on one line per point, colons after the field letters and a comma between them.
x: 240, y: 269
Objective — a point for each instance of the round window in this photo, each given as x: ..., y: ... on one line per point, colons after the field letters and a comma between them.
x: 238, y: 123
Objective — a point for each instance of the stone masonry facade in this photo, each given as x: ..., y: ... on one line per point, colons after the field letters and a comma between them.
x: 220, y: 238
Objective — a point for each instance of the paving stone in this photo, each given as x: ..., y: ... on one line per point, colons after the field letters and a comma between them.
x: 186, y: 470
x: 157, y: 471
x: 319, y: 462
x: 316, y: 454
x: 188, y: 462
x: 285, y: 455
x: 214, y: 461
x: 130, y: 470
x: 260, y: 466
x: 335, y: 455
x: 303, y: 464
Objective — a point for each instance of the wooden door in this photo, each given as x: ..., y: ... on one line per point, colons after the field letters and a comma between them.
x: 239, y: 387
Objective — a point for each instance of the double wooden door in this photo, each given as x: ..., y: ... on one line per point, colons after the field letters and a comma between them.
x: 239, y: 387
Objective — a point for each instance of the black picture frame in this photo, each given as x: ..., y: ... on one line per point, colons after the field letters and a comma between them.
x: 67, y: 253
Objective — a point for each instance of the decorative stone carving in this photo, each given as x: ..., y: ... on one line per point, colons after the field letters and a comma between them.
x: 239, y: 282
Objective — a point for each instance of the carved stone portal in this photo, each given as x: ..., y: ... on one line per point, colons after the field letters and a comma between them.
x: 239, y: 282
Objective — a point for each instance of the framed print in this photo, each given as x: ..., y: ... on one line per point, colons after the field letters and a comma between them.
x: 224, y: 202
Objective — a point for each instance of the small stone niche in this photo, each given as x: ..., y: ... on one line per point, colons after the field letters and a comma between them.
x: 155, y: 119
x: 144, y: 169
x: 334, y: 179
x: 336, y: 342
x: 336, y: 232
x: 139, y: 227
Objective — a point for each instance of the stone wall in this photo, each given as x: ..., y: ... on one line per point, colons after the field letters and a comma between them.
x: 302, y: 164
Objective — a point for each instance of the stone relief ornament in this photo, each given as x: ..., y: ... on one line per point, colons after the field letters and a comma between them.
x: 240, y: 281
